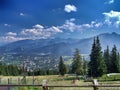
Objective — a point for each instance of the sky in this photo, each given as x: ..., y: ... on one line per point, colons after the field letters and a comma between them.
x: 42, y: 19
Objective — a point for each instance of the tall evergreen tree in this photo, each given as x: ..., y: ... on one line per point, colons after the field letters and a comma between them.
x: 92, y: 64
x: 107, y: 59
x: 62, y: 67
x: 115, y: 60
x: 85, y: 67
x: 119, y: 61
x: 97, y: 65
x: 77, y: 66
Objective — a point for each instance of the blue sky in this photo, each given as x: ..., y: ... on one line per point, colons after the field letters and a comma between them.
x: 36, y: 19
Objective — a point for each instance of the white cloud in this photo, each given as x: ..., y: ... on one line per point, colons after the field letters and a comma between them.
x: 38, y: 31
x: 22, y: 14
x: 117, y: 24
x: 29, y: 32
x: 111, y: 1
x: 93, y: 24
x: 112, y: 18
x: 54, y: 30
x: 7, y: 25
x: 98, y: 24
x: 69, y: 8
x: 71, y: 26
x: 10, y: 39
x: 38, y: 26
x: 112, y: 14
x: 72, y: 19
x: 11, y: 34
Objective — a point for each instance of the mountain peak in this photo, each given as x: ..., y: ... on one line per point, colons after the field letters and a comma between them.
x: 114, y: 33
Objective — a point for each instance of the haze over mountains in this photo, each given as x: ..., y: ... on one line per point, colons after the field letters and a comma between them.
x: 59, y: 46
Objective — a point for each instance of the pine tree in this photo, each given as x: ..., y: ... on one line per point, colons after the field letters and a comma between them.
x: 114, y: 60
x: 92, y: 64
x: 15, y: 69
x: 3, y: 70
x: 85, y: 67
x: 107, y: 59
x: 97, y: 65
x: 119, y: 61
x: 77, y: 66
x: 62, y: 67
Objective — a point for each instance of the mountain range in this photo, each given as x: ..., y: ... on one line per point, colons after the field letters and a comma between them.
x: 59, y: 46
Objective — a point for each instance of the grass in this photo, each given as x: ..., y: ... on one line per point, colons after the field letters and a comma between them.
x: 60, y: 80
x: 109, y: 78
x: 51, y: 80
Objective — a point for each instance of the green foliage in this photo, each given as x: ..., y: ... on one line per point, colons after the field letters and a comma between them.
x: 97, y: 66
x: 110, y: 78
x: 27, y: 88
x: 112, y: 60
x: 107, y: 59
x: 62, y: 67
x: 85, y: 67
x: 115, y: 61
x: 77, y: 66
x: 9, y: 70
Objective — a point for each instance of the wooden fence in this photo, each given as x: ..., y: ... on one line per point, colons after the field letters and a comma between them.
x: 79, y: 87
x: 44, y: 86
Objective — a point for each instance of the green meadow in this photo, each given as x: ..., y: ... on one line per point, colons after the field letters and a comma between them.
x: 56, y: 80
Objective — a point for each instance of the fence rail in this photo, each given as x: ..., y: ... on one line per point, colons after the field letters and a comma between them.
x: 35, y: 85
x: 93, y: 87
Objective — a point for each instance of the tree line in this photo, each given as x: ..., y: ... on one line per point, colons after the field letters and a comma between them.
x: 101, y: 62
x: 9, y: 70
x: 14, y: 70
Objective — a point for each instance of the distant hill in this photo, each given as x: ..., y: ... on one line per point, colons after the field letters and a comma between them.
x: 60, y: 46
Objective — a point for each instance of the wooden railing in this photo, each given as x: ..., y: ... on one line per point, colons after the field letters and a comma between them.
x: 94, y: 87
x: 45, y: 86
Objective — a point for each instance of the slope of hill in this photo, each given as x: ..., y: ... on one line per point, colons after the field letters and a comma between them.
x: 60, y: 46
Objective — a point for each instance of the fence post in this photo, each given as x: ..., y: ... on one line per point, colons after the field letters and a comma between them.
x: 8, y: 83
x: 33, y: 81
x: 19, y: 81
x: 10, y: 80
x: 95, y: 83
x: 0, y: 80
x: 44, y: 85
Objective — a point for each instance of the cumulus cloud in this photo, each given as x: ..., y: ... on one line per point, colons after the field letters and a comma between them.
x: 69, y: 8
x: 111, y: 1
x: 38, y: 26
x: 38, y: 31
x: 11, y: 34
x: 71, y: 26
x: 10, y: 38
x: 112, y: 18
